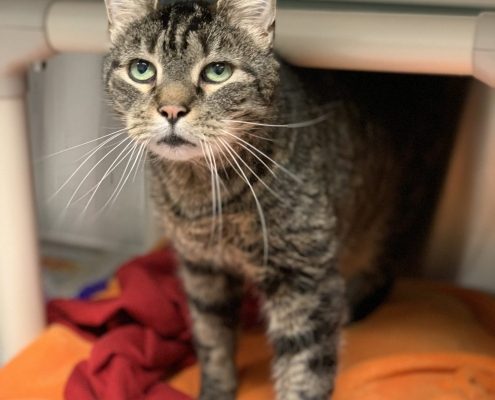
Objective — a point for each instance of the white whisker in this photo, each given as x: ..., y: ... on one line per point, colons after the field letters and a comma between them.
x: 112, y: 167
x: 134, y: 164
x: 275, y: 194
x: 219, y: 194
x: 301, y: 124
x: 94, y: 167
x: 281, y: 167
x: 141, y: 156
x: 109, y: 170
x: 252, y: 152
x: 213, y: 191
x: 113, y: 134
x: 82, y: 164
x: 243, y: 176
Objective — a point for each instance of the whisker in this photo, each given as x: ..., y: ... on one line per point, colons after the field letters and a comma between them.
x: 275, y: 194
x: 219, y: 194
x: 134, y: 164
x: 259, y: 137
x: 281, y: 167
x: 141, y: 156
x: 109, y: 170
x: 252, y: 152
x: 113, y: 134
x: 301, y: 124
x: 243, y: 176
x: 94, y: 167
x: 213, y: 191
x: 112, y: 167
x: 82, y: 164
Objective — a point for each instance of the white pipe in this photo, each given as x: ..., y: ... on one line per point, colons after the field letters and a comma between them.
x: 381, y: 41
x: 77, y: 26
x: 438, y: 3
x: 416, y: 43
x: 21, y: 301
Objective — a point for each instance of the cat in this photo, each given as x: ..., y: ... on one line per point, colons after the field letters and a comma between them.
x: 262, y: 173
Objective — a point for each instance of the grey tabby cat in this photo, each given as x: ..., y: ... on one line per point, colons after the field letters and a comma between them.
x: 260, y: 172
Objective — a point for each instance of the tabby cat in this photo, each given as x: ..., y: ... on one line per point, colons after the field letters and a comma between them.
x: 261, y: 173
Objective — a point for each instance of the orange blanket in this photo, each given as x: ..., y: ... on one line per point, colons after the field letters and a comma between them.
x: 428, y: 342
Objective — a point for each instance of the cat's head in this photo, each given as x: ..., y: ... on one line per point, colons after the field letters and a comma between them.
x: 180, y: 74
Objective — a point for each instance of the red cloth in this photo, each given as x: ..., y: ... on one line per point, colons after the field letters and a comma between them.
x: 140, y: 337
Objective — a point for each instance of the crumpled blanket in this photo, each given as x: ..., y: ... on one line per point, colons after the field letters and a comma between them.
x: 140, y: 337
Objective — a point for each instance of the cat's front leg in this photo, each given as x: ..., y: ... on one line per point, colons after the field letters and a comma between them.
x: 305, y: 312
x: 214, y: 298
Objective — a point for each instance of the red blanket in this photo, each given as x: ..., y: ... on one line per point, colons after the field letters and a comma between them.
x: 140, y: 337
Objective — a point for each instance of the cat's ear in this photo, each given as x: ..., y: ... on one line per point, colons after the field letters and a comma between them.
x: 121, y: 12
x: 256, y: 16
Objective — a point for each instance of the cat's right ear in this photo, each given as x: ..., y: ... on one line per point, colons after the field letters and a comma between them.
x: 121, y: 12
x: 255, y: 16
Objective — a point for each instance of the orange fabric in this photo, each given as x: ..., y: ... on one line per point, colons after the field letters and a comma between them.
x: 428, y: 342
x: 429, y: 376
x: 40, y: 371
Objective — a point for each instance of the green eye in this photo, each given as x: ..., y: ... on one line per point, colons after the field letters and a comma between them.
x: 142, y: 71
x: 217, y: 72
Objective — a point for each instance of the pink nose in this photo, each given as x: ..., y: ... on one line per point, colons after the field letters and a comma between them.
x: 173, y: 113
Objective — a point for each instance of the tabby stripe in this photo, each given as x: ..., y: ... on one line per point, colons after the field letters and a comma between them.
x: 322, y: 363
x: 224, y: 308
x: 227, y: 310
x: 194, y: 26
x: 181, y: 10
x: 113, y: 66
x: 290, y: 345
x: 200, y: 269
x: 297, y: 280
x: 305, y: 396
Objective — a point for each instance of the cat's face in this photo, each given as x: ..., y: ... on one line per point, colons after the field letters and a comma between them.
x: 179, y: 75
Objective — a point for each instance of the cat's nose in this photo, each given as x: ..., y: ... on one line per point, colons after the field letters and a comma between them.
x: 173, y: 113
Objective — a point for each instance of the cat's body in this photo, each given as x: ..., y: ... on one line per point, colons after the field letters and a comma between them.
x: 334, y: 210
x: 292, y: 209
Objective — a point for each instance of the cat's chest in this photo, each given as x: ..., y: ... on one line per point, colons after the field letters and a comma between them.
x: 229, y: 239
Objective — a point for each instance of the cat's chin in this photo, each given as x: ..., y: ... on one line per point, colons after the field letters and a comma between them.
x: 176, y: 153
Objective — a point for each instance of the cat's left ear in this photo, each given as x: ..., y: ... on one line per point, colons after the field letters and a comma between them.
x: 122, y: 12
x: 255, y: 16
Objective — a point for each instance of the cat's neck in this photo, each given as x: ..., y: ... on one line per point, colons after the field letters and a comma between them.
x: 191, y: 181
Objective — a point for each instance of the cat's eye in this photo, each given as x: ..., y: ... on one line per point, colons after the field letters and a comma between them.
x: 142, y: 71
x: 217, y: 72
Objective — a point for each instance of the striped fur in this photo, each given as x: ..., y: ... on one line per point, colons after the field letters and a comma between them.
x: 325, y: 192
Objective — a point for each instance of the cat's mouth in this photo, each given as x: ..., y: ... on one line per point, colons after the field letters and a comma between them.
x: 174, y: 140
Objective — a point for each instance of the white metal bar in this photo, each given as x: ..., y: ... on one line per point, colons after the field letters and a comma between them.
x: 399, y: 42
x: 21, y: 302
x: 439, y: 3
x: 77, y: 26
x: 416, y: 43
